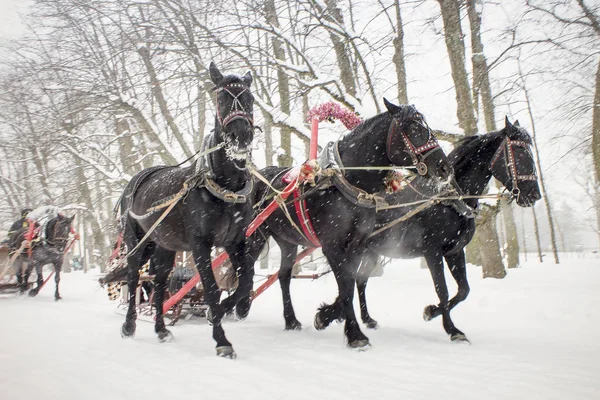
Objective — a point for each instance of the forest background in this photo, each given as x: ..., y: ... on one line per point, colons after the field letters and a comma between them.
x: 91, y: 92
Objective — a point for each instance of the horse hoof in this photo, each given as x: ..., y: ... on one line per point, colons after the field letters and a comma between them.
x: 428, y: 313
x: 128, y: 332
x: 372, y: 324
x: 360, y: 345
x: 459, y: 338
x: 33, y: 292
x: 57, y: 298
x: 165, y: 336
x: 319, y: 325
x: 226, y: 352
x: 242, y: 309
x: 294, y: 325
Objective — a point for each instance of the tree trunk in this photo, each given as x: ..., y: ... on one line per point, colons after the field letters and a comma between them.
x: 536, y: 229
x: 596, y: 200
x: 524, y: 235
x: 96, y: 237
x: 536, y: 154
x: 284, y: 159
x: 126, y: 153
x: 162, y: 102
x: 487, y: 237
x: 456, y: 53
x: 491, y: 260
x: 481, y: 87
x: 398, y: 57
x: 596, y: 126
x: 343, y: 59
x: 267, y: 128
x: 512, y: 239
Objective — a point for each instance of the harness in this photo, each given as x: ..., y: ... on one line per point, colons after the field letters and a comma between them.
x: 201, y: 178
x: 332, y: 167
x: 457, y: 202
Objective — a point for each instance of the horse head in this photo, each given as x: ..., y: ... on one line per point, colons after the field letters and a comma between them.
x: 235, y: 115
x: 58, y: 231
x: 410, y: 141
x: 513, y: 164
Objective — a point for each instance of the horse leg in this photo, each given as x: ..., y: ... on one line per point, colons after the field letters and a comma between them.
x: 289, y: 252
x: 20, y: 273
x: 40, y: 277
x: 163, y: 261
x: 57, y: 270
x: 436, y: 267
x: 344, y: 265
x: 244, y: 266
x: 368, y: 265
x: 134, y: 262
x: 457, y: 265
x: 212, y: 296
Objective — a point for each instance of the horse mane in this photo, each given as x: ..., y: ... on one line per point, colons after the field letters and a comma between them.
x: 366, y: 125
x: 462, y: 154
x: 464, y: 148
x: 405, y: 114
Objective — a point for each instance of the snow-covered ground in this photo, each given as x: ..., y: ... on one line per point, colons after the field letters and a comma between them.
x: 534, y: 336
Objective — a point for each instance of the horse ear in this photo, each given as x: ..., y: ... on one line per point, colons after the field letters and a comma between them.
x: 215, y: 75
x: 507, y: 123
x: 516, y: 123
x: 392, y: 108
x: 248, y: 78
x: 71, y: 219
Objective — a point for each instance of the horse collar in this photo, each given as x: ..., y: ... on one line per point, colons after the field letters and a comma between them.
x: 204, y: 174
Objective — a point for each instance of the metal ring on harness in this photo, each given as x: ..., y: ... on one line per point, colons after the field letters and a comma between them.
x: 421, y: 168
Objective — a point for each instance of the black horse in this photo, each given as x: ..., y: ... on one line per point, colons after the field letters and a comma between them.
x: 341, y: 216
x: 215, y: 211
x: 49, y: 249
x: 443, y: 230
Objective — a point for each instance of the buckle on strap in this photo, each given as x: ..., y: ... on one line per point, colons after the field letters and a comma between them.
x: 230, y: 197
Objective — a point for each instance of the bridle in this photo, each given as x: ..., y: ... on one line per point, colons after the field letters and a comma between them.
x: 58, y: 240
x: 418, y: 154
x: 237, y: 109
x: 506, y: 148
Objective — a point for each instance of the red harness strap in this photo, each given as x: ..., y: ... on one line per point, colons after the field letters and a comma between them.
x: 304, y: 218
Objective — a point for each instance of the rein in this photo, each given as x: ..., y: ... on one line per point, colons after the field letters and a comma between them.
x: 425, y: 204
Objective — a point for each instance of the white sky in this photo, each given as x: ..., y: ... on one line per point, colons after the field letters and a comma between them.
x: 10, y: 23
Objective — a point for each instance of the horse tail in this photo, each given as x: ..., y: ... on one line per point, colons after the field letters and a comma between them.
x: 118, y: 274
